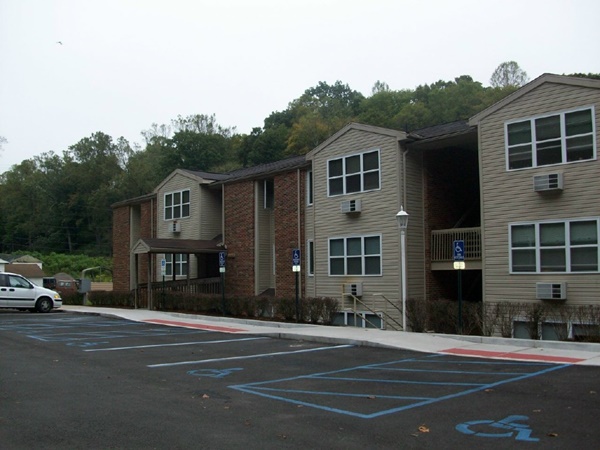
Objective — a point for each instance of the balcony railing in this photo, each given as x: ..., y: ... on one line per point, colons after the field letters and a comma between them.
x: 442, y: 244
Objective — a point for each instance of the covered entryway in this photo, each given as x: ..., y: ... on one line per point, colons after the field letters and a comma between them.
x: 204, y: 280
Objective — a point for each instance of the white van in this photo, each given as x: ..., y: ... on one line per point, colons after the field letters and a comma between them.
x: 18, y: 292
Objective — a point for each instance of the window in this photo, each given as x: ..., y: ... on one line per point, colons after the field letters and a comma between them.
x: 356, y: 173
x: 177, y: 205
x: 309, y: 188
x: 181, y: 264
x: 359, y: 255
x: 269, y: 194
x: 569, y: 246
x: 311, y: 257
x: 556, y: 139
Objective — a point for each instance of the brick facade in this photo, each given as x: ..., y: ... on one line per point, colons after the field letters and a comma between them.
x: 121, y: 238
x: 125, y: 234
x: 239, y: 238
x: 289, y: 198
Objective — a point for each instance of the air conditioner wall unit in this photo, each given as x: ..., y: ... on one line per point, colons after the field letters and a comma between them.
x: 355, y: 289
x: 351, y: 206
x: 175, y: 227
x: 551, y: 291
x: 548, y: 182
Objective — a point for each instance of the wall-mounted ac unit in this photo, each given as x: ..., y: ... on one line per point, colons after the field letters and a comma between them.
x: 351, y: 206
x: 175, y: 227
x: 548, y: 182
x: 355, y: 289
x: 551, y: 291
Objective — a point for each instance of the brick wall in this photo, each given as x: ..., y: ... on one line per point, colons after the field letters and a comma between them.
x: 239, y: 238
x: 287, y: 227
x: 124, y: 236
x: 240, y: 234
x: 120, y: 242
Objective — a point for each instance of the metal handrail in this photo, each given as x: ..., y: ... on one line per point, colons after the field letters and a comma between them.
x: 365, y: 306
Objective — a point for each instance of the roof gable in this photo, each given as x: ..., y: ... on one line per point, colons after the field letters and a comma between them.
x: 545, y: 78
x: 399, y: 135
x: 194, y: 176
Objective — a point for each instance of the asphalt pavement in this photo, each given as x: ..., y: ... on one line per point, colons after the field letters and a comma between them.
x: 468, y: 346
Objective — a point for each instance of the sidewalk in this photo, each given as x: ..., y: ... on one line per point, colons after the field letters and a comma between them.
x: 473, y: 346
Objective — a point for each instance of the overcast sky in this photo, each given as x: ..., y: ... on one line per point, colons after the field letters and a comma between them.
x: 122, y: 65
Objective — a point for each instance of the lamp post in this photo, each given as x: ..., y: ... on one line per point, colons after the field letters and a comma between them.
x: 402, y: 218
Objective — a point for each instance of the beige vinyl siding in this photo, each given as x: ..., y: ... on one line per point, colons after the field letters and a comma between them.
x: 210, y: 213
x: 508, y: 196
x: 309, y: 233
x: 378, y: 217
x: 264, y: 242
x: 415, y: 237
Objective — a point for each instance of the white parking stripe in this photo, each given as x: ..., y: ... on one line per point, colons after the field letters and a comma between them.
x: 232, y: 358
x: 222, y: 341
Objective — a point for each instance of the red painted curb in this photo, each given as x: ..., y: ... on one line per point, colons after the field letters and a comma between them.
x: 195, y: 325
x: 512, y: 355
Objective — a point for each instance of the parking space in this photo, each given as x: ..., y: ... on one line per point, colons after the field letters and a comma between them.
x: 289, y: 388
x: 394, y: 386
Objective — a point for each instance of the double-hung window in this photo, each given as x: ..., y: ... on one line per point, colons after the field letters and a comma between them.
x: 354, y: 173
x: 180, y: 264
x: 565, y: 246
x: 357, y: 255
x: 553, y: 139
x: 310, y: 245
x: 177, y: 204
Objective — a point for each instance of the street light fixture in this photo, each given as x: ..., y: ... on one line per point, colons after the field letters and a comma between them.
x: 402, y: 218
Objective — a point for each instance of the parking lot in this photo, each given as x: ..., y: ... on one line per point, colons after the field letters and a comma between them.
x: 83, y: 381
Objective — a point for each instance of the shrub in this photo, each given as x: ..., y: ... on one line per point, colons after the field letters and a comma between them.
x: 331, y: 307
x: 313, y: 309
x: 416, y: 315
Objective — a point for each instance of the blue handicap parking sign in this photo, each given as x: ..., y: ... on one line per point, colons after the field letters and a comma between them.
x: 459, y: 250
x: 296, y: 257
x: 222, y: 259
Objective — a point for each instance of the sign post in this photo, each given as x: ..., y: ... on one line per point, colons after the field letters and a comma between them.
x: 296, y: 270
x: 459, y: 264
x: 222, y: 264
x: 163, y: 272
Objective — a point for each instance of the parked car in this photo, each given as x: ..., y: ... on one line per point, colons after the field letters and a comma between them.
x: 18, y: 292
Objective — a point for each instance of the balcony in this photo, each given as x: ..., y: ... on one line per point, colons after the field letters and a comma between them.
x: 442, y: 252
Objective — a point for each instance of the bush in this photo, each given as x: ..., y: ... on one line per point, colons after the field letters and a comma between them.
x: 110, y: 298
x: 331, y: 307
x: 416, y: 315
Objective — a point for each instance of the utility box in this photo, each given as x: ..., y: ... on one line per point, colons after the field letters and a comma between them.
x: 85, y: 285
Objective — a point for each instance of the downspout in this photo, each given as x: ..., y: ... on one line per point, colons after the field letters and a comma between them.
x: 298, y: 220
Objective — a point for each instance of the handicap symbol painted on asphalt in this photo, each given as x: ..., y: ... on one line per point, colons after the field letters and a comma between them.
x: 213, y: 373
x: 507, y: 428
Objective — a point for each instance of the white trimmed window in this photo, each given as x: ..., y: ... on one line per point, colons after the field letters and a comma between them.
x: 309, y: 187
x: 560, y: 138
x: 268, y: 194
x: 310, y: 245
x: 357, y: 255
x: 177, y: 204
x: 567, y: 246
x: 354, y: 173
x: 180, y: 264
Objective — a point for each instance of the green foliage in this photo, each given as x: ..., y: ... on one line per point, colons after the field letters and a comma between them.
x: 62, y: 203
x: 508, y: 74
x: 73, y: 264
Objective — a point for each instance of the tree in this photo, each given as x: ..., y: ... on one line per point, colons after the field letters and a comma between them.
x: 508, y: 74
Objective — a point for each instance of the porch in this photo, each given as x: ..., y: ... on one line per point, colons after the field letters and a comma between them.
x: 442, y: 251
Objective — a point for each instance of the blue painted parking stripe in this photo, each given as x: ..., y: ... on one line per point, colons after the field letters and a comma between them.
x: 262, y: 355
x: 134, y: 347
x: 263, y: 389
x: 461, y: 372
x: 378, y: 380
x: 343, y: 394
